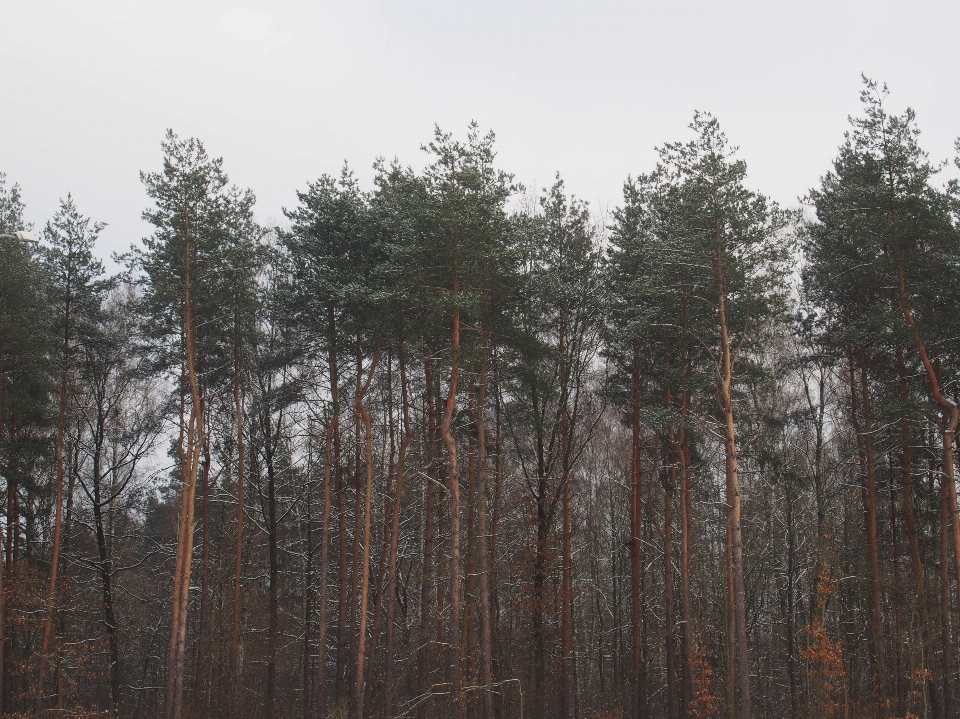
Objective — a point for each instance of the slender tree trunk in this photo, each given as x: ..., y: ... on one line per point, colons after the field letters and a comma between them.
x: 566, y: 599
x: 380, y: 585
x: 328, y: 476
x: 238, y: 406
x: 395, y: 533
x: 538, y: 605
x: 916, y: 561
x: 945, y: 618
x: 636, y: 548
x: 669, y: 487
x: 189, y: 459
x: 897, y: 610
x: 486, y: 643
x: 789, y: 497
x: 453, y: 635
x: 566, y: 591
x: 730, y: 686
x: 58, y: 499
x: 733, y: 497
x: 367, y: 516
x: 305, y: 679
x: 202, y: 629
x: 470, y: 565
x: 354, y: 644
x: 870, y: 514
x: 951, y: 417
x: 430, y: 443
x: 273, y: 566
x: 105, y: 570
x: 686, y: 605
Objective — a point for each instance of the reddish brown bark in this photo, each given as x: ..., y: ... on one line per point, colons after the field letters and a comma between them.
x: 367, y: 512
x: 724, y: 394
x: 188, y: 450
x: 910, y: 524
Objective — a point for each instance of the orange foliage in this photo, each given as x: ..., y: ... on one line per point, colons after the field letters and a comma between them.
x: 705, y: 704
x: 824, y: 657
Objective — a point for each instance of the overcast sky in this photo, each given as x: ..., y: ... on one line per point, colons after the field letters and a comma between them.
x: 286, y: 91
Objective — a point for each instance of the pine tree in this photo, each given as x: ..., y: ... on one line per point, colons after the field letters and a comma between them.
x: 180, y: 263
x: 76, y: 295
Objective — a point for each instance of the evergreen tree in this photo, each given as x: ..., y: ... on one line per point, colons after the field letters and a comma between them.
x: 77, y: 292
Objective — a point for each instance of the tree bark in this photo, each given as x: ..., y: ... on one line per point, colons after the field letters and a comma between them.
x: 328, y: 476
x: 486, y: 643
x: 636, y: 547
x: 58, y: 498
x: 669, y: 487
x: 916, y: 561
x: 189, y: 459
x: 686, y: 605
x: 870, y: 518
x: 273, y: 563
x: 238, y: 406
x: 367, y: 517
x: 453, y: 634
x: 725, y: 373
x: 391, y: 589
x: 202, y: 629
x: 951, y: 417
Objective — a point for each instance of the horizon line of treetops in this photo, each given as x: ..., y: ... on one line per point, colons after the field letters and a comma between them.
x: 433, y: 457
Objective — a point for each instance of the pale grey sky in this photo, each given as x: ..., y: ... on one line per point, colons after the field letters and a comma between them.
x: 285, y: 91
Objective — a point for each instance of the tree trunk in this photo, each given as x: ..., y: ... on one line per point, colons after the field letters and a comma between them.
x: 328, y: 476
x: 202, y: 629
x: 105, y: 570
x: 354, y: 644
x: 566, y: 591
x: 189, y: 459
x: 733, y: 497
x: 391, y: 589
x: 945, y: 618
x: 470, y: 566
x: 306, y: 682
x: 486, y: 643
x: 367, y: 517
x: 58, y: 502
x: 238, y: 406
x: 669, y: 486
x: 430, y: 443
x: 951, y: 417
x: 273, y: 559
x: 686, y: 606
x: 870, y: 515
x: 453, y: 634
x: 538, y: 603
x: 916, y: 561
x: 636, y: 547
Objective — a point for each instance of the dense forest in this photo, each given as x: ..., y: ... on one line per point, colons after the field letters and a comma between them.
x: 453, y: 447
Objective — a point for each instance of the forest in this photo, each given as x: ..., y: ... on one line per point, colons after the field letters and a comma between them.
x: 452, y: 447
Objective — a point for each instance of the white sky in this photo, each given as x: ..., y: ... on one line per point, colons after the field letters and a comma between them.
x: 285, y: 91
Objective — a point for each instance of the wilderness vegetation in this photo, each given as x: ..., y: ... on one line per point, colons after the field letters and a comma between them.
x: 449, y: 448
